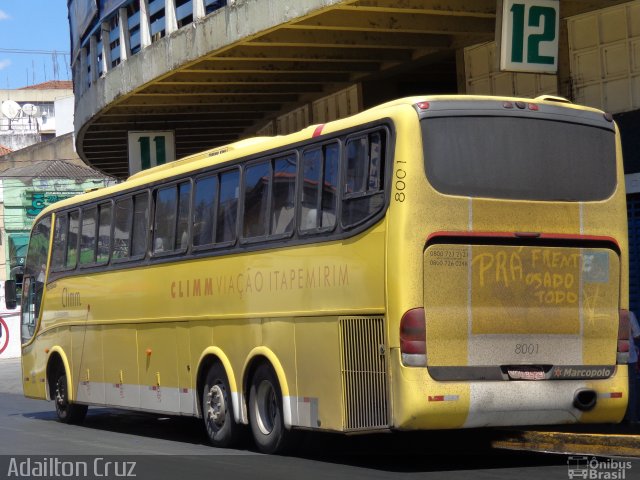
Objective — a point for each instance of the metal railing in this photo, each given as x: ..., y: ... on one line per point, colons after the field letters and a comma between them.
x: 133, y: 26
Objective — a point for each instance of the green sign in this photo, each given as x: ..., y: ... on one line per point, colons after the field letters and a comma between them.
x: 529, y: 36
x: 149, y: 149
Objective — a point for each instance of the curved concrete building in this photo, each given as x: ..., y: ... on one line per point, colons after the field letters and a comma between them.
x: 202, y: 73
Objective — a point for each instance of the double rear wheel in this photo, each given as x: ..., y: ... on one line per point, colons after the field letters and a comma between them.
x: 217, y: 410
x: 266, y: 412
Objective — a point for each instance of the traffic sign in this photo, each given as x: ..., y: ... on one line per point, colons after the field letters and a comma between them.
x: 528, y: 36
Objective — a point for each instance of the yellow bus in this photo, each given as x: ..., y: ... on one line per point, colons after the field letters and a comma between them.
x: 432, y: 263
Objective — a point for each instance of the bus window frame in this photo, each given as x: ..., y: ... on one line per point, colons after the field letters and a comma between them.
x: 100, y: 204
x: 217, y: 173
x: 232, y: 247
x: 279, y: 236
x: 66, y: 256
x: 173, y: 184
x: 66, y: 213
x: 270, y: 159
x: 147, y: 227
x: 131, y: 258
x: 205, y: 246
x: 388, y: 159
x: 63, y: 267
x: 95, y: 232
x: 319, y: 229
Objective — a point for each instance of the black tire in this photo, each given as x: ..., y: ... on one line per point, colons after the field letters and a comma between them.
x: 265, y: 413
x: 217, y: 410
x: 71, y: 413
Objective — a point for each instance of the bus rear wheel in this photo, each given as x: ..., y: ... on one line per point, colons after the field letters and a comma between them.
x: 71, y: 413
x: 217, y: 409
x: 265, y: 413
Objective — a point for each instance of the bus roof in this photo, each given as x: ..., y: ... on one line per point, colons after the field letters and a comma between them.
x: 256, y: 145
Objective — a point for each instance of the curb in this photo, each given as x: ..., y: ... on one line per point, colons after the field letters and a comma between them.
x: 569, y: 443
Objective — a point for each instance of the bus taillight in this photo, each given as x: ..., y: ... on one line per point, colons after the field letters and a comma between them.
x: 623, y: 338
x: 413, y: 338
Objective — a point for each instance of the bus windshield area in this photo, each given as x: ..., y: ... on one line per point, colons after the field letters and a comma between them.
x: 519, y: 158
x: 34, y: 277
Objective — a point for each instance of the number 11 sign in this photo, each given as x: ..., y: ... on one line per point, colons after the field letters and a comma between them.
x: 529, y: 36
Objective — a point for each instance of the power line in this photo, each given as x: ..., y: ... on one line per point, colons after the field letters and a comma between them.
x: 33, y: 52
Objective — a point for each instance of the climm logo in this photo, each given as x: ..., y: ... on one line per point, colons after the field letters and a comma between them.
x: 70, y: 299
x: 258, y: 281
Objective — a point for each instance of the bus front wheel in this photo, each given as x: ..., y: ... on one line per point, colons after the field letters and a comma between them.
x: 265, y: 412
x: 71, y: 413
x: 217, y: 409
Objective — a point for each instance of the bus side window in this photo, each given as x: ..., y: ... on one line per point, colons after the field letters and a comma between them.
x: 204, y: 210
x: 184, y: 204
x: 319, y: 186
x: 257, y: 179
x: 330, y: 186
x: 363, y: 194
x: 140, y: 224
x: 88, y: 236
x: 104, y: 233
x: 228, y: 207
x: 72, y: 241
x: 122, y: 228
x: 164, y: 230
x: 311, y: 174
x: 59, y: 242
x: 283, y: 195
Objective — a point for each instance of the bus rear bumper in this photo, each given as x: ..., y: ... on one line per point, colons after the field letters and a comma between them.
x: 421, y: 403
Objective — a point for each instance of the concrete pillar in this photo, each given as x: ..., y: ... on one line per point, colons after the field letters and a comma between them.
x: 123, y: 32
x: 170, y: 17
x: 145, y: 24
x: 84, y: 74
x: 198, y: 9
x: 106, y: 47
x: 93, y: 57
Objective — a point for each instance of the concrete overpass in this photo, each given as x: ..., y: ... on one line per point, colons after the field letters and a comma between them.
x: 213, y: 78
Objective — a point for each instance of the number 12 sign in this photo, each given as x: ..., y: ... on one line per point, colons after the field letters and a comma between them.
x: 529, y: 41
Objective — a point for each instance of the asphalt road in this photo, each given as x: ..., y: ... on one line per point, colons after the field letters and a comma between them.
x: 174, y: 447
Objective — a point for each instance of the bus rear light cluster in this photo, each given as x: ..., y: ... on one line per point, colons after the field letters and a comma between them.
x: 423, y: 105
x: 622, y: 356
x: 413, y: 338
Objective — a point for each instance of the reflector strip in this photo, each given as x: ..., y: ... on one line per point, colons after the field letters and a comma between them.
x: 443, y: 398
x: 318, y: 131
x: 610, y: 395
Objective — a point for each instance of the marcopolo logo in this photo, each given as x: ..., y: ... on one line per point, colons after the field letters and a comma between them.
x: 597, y: 469
x: 582, y: 372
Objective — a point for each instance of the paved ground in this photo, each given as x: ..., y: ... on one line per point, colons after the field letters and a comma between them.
x: 10, y: 375
x: 175, y: 447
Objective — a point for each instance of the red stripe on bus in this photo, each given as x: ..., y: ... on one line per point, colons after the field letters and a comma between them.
x: 436, y: 398
x: 318, y: 130
x: 616, y: 394
x: 544, y: 236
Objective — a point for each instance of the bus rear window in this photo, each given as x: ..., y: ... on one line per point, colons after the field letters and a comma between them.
x: 519, y: 158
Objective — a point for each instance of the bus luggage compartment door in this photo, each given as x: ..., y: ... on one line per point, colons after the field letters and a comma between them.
x: 509, y: 305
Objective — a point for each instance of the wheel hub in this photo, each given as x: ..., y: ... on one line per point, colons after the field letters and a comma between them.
x: 216, y: 407
x: 60, y: 395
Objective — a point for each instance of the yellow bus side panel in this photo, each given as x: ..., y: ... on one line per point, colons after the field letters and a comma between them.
x: 319, y: 377
x: 271, y: 299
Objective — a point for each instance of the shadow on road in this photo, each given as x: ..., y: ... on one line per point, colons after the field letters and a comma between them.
x: 437, y: 451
